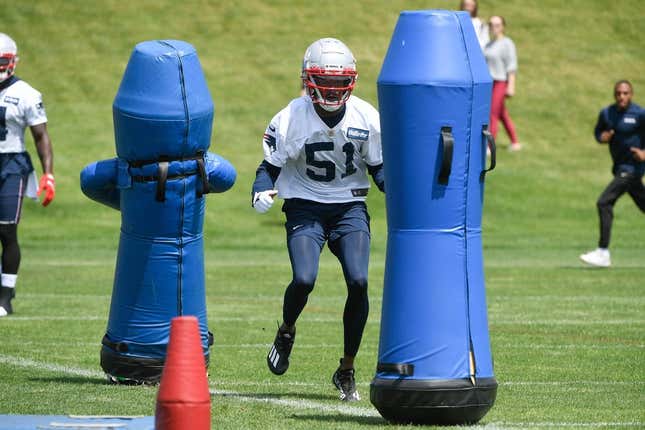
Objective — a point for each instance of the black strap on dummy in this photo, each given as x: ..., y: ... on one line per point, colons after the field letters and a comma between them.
x: 162, y: 177
x: 201, y: 171
x: 403, y: 369
x: 162, y: 174
x: 490, y: 143
x: 116, y: 346
x: 447, y: 142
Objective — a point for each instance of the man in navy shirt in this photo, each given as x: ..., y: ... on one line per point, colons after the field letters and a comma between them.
x: 622, y: 126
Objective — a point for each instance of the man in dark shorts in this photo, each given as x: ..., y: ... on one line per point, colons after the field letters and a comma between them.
x: 21, y: 106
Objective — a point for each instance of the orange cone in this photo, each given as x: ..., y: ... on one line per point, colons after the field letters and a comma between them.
x: 183, y: 400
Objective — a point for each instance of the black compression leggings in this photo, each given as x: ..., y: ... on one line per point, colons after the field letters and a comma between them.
x: 10, y: 248
x: 352, y: 250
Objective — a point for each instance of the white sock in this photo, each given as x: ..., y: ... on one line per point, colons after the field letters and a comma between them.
x: 9, y: 280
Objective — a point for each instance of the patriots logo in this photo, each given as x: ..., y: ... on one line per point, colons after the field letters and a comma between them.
x: 269, y: 140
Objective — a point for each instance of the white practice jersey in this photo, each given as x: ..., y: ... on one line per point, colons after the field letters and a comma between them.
x: 20, y: 106
x: 327, y: 165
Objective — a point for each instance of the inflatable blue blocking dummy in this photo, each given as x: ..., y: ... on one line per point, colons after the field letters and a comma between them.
x: 434, y: 91
x: 163, y: 115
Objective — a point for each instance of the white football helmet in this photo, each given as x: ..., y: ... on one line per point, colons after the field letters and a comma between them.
x: 329, y: 73
x: 8, y: 57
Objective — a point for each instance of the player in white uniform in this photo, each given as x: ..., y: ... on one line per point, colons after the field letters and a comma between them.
x: 21, y: 106
x: 317, y: 153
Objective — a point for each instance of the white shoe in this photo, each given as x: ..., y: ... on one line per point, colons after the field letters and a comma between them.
x: 515, y: 147
x: 598, y: 257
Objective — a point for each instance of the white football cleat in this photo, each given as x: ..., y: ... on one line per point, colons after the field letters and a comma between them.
x: 598, y: 257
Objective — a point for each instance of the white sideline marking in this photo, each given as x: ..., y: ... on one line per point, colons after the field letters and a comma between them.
x: 56, y: 368
x: 56, y: 318
x: 300, y: 404
x: 308, y: 404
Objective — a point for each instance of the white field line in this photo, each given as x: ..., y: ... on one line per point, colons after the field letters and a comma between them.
x: 53, y: 318
x: 305, y: 320
x: 308, y: 404
x: 56, y: 368
x: 299, y: 404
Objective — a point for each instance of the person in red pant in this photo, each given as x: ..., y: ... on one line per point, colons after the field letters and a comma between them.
x: 21, y: 106
x: 501, y: 58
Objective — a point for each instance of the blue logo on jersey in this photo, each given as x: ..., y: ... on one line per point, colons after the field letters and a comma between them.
x: 357, y: 133
x: 12, y: 100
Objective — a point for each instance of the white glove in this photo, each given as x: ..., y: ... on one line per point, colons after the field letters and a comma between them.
x: 263, y: 200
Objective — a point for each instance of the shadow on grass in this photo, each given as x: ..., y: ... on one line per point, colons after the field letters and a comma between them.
x: 79, y: 380
x: 342, y: 418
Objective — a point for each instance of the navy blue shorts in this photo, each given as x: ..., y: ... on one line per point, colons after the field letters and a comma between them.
x: 15, y: 168
x: 12, y: 191
x: 324, y: 221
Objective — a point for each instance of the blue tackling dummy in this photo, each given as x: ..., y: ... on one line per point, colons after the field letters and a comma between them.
x: 434, y: 361
x: 163, y: 115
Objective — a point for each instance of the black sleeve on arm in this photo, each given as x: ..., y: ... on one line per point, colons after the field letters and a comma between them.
x: 642, y: 125
x: 600, y: 126
x: 265, y: 177
x: 378, y: 175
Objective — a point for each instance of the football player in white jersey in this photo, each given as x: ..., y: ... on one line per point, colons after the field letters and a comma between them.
x: 21, y: 106
x: 317, y: 153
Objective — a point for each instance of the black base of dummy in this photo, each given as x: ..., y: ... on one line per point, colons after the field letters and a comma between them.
x: 128, y: 370
x: 437, y: 402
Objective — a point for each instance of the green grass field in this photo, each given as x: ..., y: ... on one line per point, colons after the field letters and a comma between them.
x: 568, y: 341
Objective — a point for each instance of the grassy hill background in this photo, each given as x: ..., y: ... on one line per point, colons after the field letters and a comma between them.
x: 251, y: 51
x: 539, y: 210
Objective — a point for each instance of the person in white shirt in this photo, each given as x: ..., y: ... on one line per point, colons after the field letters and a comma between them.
x: 21, y: 106
x: 481, y: 29
x: 318, y: 151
